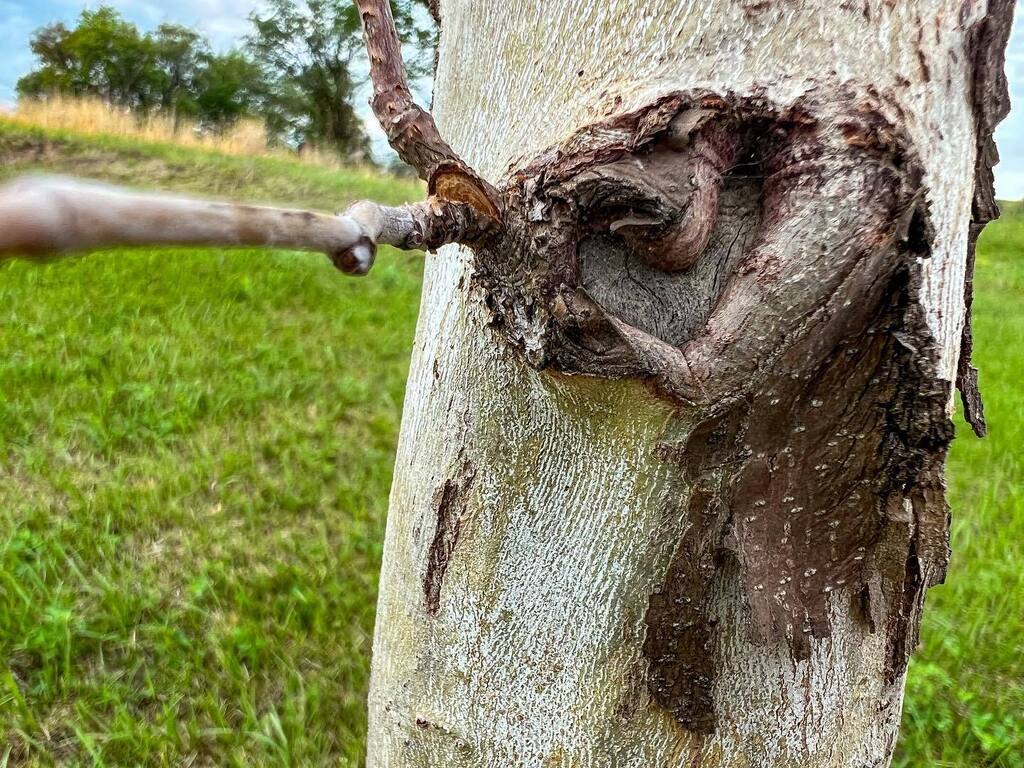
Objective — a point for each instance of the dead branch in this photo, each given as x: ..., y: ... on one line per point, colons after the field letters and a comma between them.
x: 410, y: 129
x: 46, y: 216
x: 42, y: 217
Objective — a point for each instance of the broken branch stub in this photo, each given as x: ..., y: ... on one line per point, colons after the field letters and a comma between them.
x: 410, y: 129
x: 45, y: 216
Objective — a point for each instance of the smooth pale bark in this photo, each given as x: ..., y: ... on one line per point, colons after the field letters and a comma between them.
x: 528, y: 524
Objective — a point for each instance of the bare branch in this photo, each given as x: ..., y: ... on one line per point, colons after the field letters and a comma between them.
x: 410, y: 129
x: 42, y: 216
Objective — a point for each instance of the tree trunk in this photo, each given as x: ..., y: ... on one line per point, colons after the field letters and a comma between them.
x: 669, y: 483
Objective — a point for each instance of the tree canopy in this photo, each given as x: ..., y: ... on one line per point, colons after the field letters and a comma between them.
x: 313, y: 58
x: 299, y: 70
x: 171, y: 68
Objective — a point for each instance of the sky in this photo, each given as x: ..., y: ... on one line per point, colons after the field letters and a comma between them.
x: 224, y: 22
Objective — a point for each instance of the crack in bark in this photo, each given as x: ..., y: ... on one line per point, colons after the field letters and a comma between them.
x: 449, y: 503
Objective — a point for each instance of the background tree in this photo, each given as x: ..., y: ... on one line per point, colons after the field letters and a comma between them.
x: 171, y: 69
x: 314, y: 61
x: 227, y: 87
x: 178, y: 53
x: 103, y: 55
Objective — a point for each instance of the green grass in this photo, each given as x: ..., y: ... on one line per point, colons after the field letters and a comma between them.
x: 965, y: 693
x: 195, y: 455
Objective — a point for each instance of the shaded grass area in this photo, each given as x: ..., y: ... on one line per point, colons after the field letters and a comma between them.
x: 195, y: 455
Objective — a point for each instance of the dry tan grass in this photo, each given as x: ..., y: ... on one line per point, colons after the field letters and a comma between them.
x: 94, y: 117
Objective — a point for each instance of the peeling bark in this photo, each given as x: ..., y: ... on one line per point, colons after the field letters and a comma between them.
x: 802, y: 482
x: 812, y: 367
x: 990, y: 98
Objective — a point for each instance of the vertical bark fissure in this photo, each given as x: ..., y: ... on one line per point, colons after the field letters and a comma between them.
x: 450, y: 506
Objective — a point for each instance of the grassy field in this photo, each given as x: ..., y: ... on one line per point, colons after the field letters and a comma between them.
x: 86, y: 116
x: 195, y: 455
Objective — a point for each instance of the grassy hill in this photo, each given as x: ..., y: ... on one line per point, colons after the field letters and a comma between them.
x: 195, y: 456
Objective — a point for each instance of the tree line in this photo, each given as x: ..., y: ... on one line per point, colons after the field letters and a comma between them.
x: 298, y: 69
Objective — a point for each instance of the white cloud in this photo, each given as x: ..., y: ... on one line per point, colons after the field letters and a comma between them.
x: 223, y: 22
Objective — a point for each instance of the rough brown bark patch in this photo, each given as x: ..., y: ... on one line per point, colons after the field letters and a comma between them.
x: 824, y: 483
x: 680, y: 641
x: 450, y: 505
x: 785, y: 328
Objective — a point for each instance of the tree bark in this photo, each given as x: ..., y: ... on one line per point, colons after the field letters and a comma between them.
x: 669, y: 483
